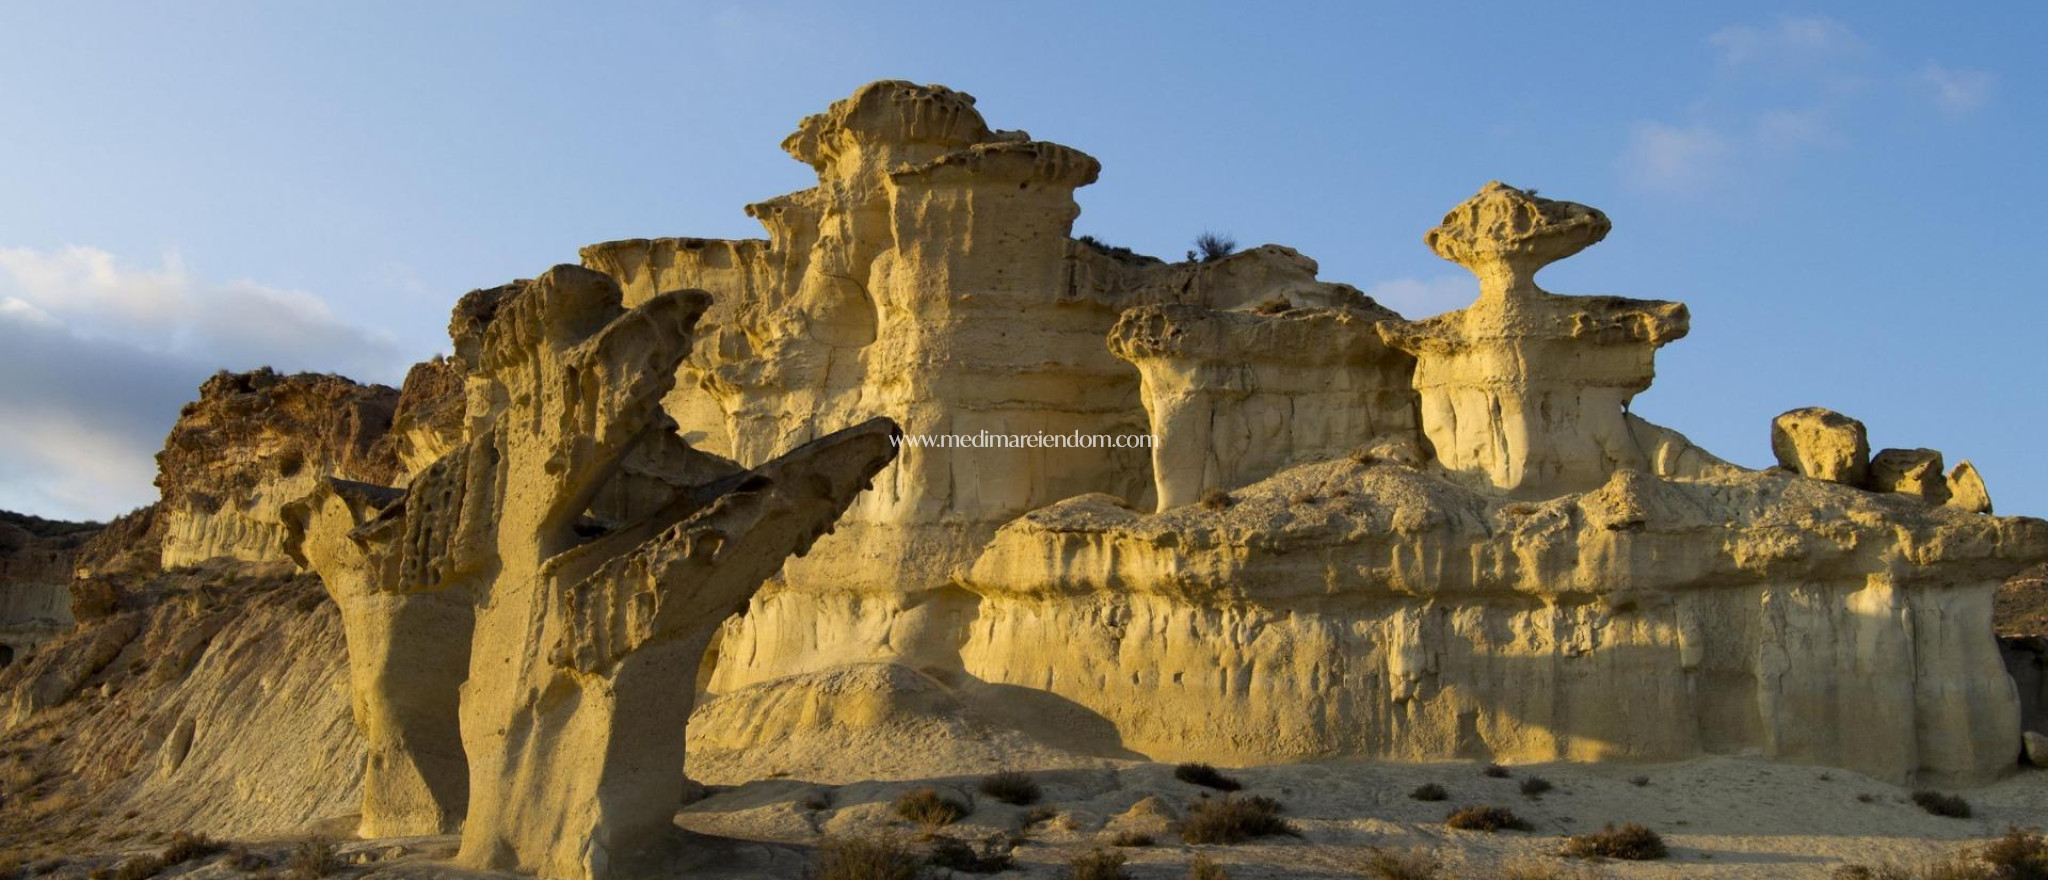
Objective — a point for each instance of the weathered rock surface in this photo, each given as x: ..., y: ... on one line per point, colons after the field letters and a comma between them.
x: 1822, y: 444
x: 1966, y: 489
x: 37, y: 560
x: 254, y: 442
x: 1913, y: 472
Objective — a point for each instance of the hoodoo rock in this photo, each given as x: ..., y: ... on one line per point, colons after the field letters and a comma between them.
x: 548, y: 587
x: 697, y: 499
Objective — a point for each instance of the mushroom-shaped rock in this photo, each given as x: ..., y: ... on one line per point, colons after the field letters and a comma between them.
x: 1822, y: 444
x: 381, y: 555
x: 1915, y: 472
x: 1525, y: 389
x: 1966, y: 489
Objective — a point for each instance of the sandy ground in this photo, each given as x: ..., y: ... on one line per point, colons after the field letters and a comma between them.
x: 1721, y: 817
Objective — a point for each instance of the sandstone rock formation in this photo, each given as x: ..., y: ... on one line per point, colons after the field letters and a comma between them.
x: 599, y: 554
x: 1822, y: 444
x: 37, y: 559
x: 1515, y: 511
x: 253, y: 442
x: 1355, y: 535
x: 1914, y: 472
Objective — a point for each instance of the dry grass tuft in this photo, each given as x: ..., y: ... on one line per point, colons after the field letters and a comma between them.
x: 863, y: 858
x: 1429, y: 791
x: 312, y: 858
x: 1486, y: 819
x: 1630, y: 841
x: 953, y: 854
x: 2019, y: 855
x: 1012, y: 787
x: 1952, y: 806
x: 1495, y: 771
x: 1234, y: 820
x: 930, y: 809
x: 1535, y: 786
x: 1202, y: 868
x: 1215, y: 499
x: 1098, y: 864
x: 1205, y: 776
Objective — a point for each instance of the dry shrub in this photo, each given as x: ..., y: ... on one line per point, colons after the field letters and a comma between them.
x: 1205, y: 776
x: 863, y: 858
x: 1012, y: 787
x: 2019, y: 855
x: 1639, y: 781
x: 1429, y: 791
x: 1952, y: 806
x: 1486, y: 819
x: 186, y: 847
x: 1535, y: 786
x: 1202, y: 868
x: 928, y: 808
x: 1100, y: 864
x: 1630, y: 841
x: 1215, y: 499
x: 313, y: 857
x: 1402, y: 864
x: 1234, y: 820
x: 1495, y: 771
x: 954, y: 854
x: 1130, y: 838
x: 1210, y: 246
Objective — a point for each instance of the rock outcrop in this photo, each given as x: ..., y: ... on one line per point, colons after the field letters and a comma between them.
x: 554, y: 580
x: 254, y: 442
x: 37, y: 561
x: 1822, y: 444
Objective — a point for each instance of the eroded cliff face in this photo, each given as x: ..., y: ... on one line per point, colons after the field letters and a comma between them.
x: 929, y: 274
x: 253, y: 442
x: 928, y: 278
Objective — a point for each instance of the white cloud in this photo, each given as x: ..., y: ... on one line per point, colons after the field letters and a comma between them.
x: 98, y: 358
x: 1789, y: 41
x: 1956, y: 92
x: 1420, y: 298
x: 1670, y: 158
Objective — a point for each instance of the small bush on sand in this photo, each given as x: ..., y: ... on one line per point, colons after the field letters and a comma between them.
x: 1535, y: 786
x: 1486, y: 819
x: 1639, y: 781
x: 864, y: 858
x: 314, y: 857
x: 954, y: 854
x: 928, y: 808
x: 1202, y: 868
x: 2019, y: 855
x: 1215, y: 499
x: 1130, y: 838
x: 1098, y: 864
x: 1495, y: 771
x: 186, y: 847
x: 1629, y: 841
x: 1234, y: 820
x: 1402, y: 864
x: 1012, y: 787
x: 1429, y: 791
x: 1952, y: 806
x: 1205, y: 776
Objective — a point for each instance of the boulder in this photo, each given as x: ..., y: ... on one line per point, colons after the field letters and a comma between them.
x: 1915, y: 472
x: 1822, y: 444
x: 1966, y: 489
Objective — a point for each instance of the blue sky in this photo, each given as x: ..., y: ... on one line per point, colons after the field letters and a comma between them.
x: 1844, y: 194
